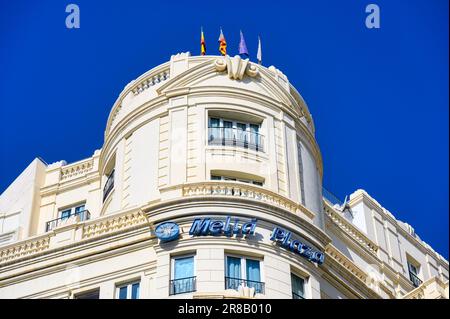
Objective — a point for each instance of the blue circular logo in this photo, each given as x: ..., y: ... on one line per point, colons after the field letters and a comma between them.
x: 167, y: 231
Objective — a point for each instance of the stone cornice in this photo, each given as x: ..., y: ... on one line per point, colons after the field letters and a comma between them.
x: 335, y: 259
x: 350, y: 230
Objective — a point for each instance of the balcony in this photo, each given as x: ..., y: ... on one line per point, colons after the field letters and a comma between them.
x: 182, y: 285
x: 414, y: 279
x: 109, y: 185
x: 70, y: 219
x: 228, y: 136
x: 297, y: 296
x: 234, y: 283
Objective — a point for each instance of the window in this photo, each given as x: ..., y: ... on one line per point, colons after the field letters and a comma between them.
x: 93, y: 294
x: 414, y: 270
x: 234, y: 133
x: 300, y: 169
x: 109, y: 185
x: 73, y: 211
x: 128, y: 291
x: 76, y: 213
x: 298, y: 287
x: 183, y: 279
x: 241, y: 271
x: 225, y: 178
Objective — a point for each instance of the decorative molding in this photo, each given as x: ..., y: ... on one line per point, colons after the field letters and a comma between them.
x: 25, y: 248
x: 242, y: 190
x: 111, y: 224
x: 77, y: 169
x: 150, y: 81
x: 236, y: 67
x: 349, y: 229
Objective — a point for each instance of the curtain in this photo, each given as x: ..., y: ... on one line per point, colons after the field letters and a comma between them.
x: 254, y: 275
x: 123, y: 292
x: 297, y: 285
x: 233, y: 272
x: 135, y: 291
x: 183, y: 270
x: 233, y: 267
x: 184, y: 267
x: 253, y: 272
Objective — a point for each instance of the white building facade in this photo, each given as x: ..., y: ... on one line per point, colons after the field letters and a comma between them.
x: 208, y: 185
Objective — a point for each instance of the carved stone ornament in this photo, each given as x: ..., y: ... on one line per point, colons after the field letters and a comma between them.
x: 236, y: 67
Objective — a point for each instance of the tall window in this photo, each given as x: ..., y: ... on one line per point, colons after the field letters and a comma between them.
x: 183, y: 279
x: 298, y: 287
x: 109, y: 185
x: 300, y: 169
x: 128, y: 291
x: 234, y: 133
x: 241, y: 271
x: 414, y: 269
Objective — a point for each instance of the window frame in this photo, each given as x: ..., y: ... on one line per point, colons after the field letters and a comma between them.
x: 305, y: 283
x: 172, y: 270
x: 244, y: 265
x: 248, y: 133
x: 71, y: 209
x: 129, y: 285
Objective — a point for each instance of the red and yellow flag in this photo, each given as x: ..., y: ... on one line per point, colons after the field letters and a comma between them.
x: 202, y: 43
x: 222, y: 43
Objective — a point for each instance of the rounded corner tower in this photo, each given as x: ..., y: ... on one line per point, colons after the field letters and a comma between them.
x: 212, y: 142
x: 213, y: 127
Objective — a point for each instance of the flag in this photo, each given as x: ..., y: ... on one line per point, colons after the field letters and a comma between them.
x: 259, y: 54
x: 222, y: 43
x: 202, y: 43
x: 243, y: 52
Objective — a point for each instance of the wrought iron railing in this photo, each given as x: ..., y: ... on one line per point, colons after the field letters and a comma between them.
x: 182, y: 285
x: 80, y: 216
x: 234, y: 283
x: 414, y: 279
x: 297, y: 296
x: 109, y: 185
x: 228, y: 136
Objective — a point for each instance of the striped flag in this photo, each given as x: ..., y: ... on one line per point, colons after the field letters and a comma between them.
x: 202, y: 43
x: 222, y: 43
x: 259, y: 54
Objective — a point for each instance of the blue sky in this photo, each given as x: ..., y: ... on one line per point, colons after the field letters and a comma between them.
x: 379, y: 97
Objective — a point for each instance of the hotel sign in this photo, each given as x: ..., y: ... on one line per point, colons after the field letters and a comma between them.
x: 206, y: 226
x: 169, y: 231
x: 283, y: 237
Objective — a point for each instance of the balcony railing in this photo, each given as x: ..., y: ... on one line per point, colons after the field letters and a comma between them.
x: 415, y: 280
x: 182, y: 285
x: 297, y: 296
x: 234, y: 283
x: 78, y: 217
x: 228, y: 136
x: 109, y: 185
